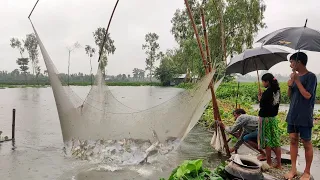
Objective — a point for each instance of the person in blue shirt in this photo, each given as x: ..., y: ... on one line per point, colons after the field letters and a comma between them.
x: 302, y: 92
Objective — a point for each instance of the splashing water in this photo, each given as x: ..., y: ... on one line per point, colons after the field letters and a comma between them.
x: 121, y: 152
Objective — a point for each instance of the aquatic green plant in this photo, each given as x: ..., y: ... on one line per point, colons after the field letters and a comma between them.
x: 193, y: 169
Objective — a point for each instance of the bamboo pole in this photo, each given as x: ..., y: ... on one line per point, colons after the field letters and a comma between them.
x: 215, y: 113
x: 106, y: 33
x: 206, y: 40
x: 197, y: 36
x: 214, y: 100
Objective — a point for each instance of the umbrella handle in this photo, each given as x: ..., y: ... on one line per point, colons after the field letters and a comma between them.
x: 237, y: 95
x: 259, y: 88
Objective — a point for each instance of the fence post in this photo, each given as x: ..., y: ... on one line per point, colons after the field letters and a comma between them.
x: 13, y: 123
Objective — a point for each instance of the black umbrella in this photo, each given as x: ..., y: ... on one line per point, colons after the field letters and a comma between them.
x: 260, y: 58
x: 298, y: 38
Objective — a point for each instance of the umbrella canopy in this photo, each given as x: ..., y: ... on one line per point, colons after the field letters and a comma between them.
x: 260, y: 58
x: 294, y: 37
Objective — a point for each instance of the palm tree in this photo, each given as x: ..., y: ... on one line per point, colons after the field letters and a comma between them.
x: 90, y: 52
x: 70, y: 49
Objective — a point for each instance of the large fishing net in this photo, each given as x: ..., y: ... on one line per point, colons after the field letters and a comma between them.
x: 101, y: 118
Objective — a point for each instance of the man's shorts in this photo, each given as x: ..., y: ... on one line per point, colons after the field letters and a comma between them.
x: 251, y: 136
x: 305, y: 132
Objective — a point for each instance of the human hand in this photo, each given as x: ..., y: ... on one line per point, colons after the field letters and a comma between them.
x: 231, y: 150
x: 290, y: 82
x: 259, y: 96
x: 237, y: 134
x: 220, y: 123
x: 294, y: 76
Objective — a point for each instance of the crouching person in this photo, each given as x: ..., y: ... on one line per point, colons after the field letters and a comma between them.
x: 245, y: 129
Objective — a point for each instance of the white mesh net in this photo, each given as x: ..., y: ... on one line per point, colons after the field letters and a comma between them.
x: 102, y: 116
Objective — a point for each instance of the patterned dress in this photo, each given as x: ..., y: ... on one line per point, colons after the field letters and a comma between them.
x: 268, y: 130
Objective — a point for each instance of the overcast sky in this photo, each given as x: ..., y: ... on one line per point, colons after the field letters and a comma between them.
x: 60, y: 23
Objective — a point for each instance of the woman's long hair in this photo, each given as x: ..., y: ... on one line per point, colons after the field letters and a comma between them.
x: 273, y: 82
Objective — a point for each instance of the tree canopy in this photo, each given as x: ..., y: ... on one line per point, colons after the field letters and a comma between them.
x: 108, y: 48
x: 151, y: 48
x: 241, y: 20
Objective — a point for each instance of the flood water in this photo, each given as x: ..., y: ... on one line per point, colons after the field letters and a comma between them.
x: 37, y: 153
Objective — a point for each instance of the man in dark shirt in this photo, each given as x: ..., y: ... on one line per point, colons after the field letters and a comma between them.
x: 302, y: 92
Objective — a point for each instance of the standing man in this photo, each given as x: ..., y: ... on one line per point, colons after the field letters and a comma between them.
x: 302, y: 92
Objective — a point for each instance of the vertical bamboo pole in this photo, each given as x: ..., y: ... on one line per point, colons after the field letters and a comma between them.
x: 204, y: 27
x: 106, y: 33
x: 214, y: 105
x: 214, y: 100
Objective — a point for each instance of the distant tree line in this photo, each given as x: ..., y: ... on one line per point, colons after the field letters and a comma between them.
x: 16, y: 77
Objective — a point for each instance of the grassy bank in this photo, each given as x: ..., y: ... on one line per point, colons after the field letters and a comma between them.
x: 248, y: 92
x: 227, y: 106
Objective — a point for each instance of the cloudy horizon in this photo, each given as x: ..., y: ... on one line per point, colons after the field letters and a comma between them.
x: 61, y: 23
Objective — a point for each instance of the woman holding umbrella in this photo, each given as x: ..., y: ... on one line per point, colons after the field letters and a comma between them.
x: 268, y: 130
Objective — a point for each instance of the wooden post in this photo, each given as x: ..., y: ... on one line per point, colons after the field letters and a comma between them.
x: 13, y: 123
x: 206, y: 40
x: 214, y: 100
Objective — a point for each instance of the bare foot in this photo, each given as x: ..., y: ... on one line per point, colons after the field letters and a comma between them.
x: 290, y: 175
x: 277, y: 166
x: 261, y: 157
x: 305, y: 176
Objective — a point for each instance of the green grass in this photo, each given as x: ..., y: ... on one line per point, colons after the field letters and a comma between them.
x: 248, y: 92
x: 185, y: 85
x: 133, y: 84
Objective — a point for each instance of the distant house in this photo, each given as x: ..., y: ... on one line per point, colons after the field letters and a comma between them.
x: 182, y: 78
